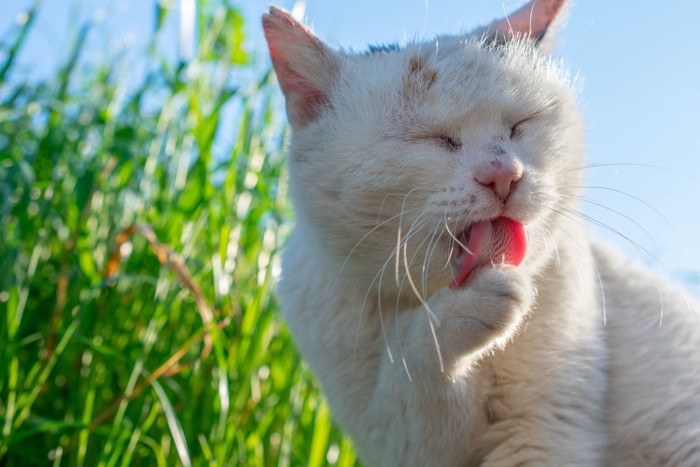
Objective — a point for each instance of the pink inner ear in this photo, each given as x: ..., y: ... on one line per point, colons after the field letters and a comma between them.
x: 303, y: 99
x: 294, y: 51
x: 531, y: 20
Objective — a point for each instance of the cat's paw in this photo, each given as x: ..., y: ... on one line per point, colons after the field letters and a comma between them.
x: 502, y: 295
x: 487, y: 311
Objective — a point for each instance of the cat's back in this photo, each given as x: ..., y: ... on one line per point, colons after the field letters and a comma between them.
x: 653, y: 334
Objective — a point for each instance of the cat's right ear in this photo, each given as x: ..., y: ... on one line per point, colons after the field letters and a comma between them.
x: 535, y: 21
x: 306, y: 68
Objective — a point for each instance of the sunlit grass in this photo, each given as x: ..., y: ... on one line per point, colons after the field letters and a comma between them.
x: 141, y: 230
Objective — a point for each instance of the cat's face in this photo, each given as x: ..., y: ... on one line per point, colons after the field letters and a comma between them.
x: 407, y: 148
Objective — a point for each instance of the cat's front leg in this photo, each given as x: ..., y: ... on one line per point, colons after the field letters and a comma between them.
x: 429, y: 391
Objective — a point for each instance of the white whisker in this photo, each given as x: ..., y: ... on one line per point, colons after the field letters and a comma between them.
x: 426, y: 259
x: 624, y: 193
x: 595, y: 266
x: 602, y: 206
x: 432, y: 317
x: 596, y: 165
x: 644, y: 252
x: 357, y: 244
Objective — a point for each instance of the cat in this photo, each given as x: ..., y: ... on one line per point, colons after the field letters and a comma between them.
x: 438, y: 280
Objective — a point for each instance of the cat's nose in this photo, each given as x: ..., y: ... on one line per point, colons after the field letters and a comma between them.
x: 500, y: 176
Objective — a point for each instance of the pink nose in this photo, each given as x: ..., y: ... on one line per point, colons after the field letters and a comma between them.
x: 500, y: 176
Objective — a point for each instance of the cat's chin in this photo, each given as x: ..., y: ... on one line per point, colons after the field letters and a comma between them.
x: 498, y: 241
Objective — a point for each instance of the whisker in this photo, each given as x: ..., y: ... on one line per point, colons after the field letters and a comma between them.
x: 452, y: 247
x: 423, y: 301
x: 398, y: 332
x: 432, y: 317
x: 449, y: 232
x: 398, y: 234
x: 413, y: 230
x: 621, y: 214
x: 641, y: 250
x: 381, y: 205
x: 426, y: 259
x: 646, y: 204
x: 379, y: 279
x: 413, y: 258
x: 605, y: 226
x: 378, y: 276
x: 398, y: 254
x: 624, y: 193
x: 364, y: 237
x: 596, y: 165
x: 381, y: 318
x: 595, y: 266
x: 420, y: 245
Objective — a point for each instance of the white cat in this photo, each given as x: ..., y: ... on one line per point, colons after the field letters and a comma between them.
x: 439, y: 281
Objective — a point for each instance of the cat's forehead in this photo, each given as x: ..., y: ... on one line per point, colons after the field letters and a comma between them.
x: 458, y: 73
x: 455, y: 58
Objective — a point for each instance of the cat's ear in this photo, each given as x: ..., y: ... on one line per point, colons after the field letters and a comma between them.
x: 306, y: 68
x: 535, y: 20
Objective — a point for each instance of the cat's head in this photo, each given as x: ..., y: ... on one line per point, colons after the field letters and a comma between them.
x: 396, y: 153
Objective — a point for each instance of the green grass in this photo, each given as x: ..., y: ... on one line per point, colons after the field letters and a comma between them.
x: 142, y: 218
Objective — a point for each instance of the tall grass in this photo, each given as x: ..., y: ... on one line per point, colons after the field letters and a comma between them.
x: 142, y: 216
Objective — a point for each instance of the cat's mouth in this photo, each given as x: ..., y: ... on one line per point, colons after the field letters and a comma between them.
x: 497, y: 241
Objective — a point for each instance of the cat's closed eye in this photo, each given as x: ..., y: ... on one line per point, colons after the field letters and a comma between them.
x: 448, y: 142
x: 516, y: 131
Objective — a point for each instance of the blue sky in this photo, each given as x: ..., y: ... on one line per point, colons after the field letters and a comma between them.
x: 639, y: 65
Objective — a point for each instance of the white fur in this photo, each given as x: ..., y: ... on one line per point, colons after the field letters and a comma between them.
x: 524, y: 365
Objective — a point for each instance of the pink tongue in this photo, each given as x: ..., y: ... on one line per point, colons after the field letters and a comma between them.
x: 498, y: 241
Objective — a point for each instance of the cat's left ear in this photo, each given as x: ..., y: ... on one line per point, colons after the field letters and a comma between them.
x: 306, y: 68
x: 537, y: 20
